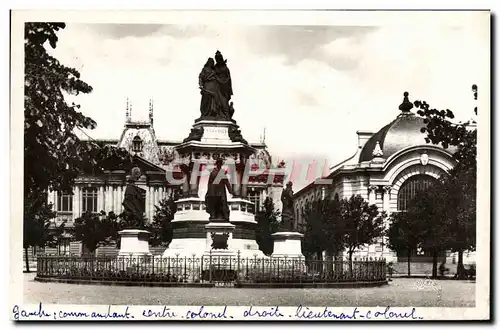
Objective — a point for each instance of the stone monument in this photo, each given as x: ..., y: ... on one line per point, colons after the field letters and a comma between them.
x: 287, y: 242
x: 222, y: 221
x: 134, y: 240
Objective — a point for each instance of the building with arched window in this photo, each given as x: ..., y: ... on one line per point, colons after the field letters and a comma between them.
x: 388, y: 168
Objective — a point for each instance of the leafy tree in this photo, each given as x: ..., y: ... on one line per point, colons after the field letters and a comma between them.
x: 38, y: 229
x: 96, y: 229
x: 53, y: 153
x: 404, y: 233
x: 267, y: 224
x: 313, y: 242
x: 324, y: 229
x: 460, y: 184
x: 430, y: 210
x: 161, y: 228
x: 362, y: 224
x: 460, y: 189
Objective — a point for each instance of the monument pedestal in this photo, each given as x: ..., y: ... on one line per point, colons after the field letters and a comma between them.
x: 219, y: 236
x: 287, y: 244
x: 219, y: 252
x: 134, y: 243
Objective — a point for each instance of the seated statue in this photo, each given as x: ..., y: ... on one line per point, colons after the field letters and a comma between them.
x: 287, y: 218
x: 134, y: 202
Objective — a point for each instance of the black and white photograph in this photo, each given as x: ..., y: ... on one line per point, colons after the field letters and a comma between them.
x: 250, y: 165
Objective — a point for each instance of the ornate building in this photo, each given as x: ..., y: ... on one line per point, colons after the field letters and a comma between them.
x: 156, y: 159
x: 387, y: 169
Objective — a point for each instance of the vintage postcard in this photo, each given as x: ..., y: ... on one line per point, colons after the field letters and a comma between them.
x: 250, y: 165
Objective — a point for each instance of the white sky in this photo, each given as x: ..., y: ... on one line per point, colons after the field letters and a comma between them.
x: 312, y: 87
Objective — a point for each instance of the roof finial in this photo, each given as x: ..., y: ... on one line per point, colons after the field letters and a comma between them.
x: 130, y: 110
x: 151, y: 111
x: 474, y: 90
x: 127, y: 111
x: 264, y: 136
x: 406, y: 106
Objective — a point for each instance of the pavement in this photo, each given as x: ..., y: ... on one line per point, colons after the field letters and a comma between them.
x: 402, y: 292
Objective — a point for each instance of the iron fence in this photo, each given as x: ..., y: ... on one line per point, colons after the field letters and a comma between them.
x: 210, y: 268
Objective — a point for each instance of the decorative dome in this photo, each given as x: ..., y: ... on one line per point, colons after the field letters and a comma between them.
x: 401, y: 133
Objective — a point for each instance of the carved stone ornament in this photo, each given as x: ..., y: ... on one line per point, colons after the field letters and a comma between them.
x: 377, y: 151
x: 219, y: 241
x: 235, y: 135
x: 195, y: 135
x: 424, y: 159
x: 372, y: 188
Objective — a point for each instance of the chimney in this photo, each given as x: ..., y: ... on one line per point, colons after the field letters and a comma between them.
x: 363, y: 136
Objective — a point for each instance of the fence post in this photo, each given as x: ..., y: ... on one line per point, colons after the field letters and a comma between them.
x: 153, y: 265
x: 193, y: 265
x: 210, y: 268
x: 238, y: 267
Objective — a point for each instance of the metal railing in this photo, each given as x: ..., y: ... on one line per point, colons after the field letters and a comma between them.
x: 210, y: 268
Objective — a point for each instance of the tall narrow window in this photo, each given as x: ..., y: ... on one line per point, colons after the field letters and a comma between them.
x: 254, y: 197
x: 89, y: 199
x: 411, y: 187
x: 64, y: 202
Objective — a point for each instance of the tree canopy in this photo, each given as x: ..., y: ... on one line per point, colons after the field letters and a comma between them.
x: 161, y: 227
x: 267, y: 224
x: 458, y: 188
x: 54, y: 155
x: 335, y: 225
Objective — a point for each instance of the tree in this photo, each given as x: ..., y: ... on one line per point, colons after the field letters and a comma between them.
x: 324, y: 229
x: 405, y: 234
x: 460, y: 184
x: 53, y: 153
x: 362, y: 224
x: 38, y: 230
x: 430, y: 210
x: 161, y: 228
x: 267, y: 224
x: 96, y: 229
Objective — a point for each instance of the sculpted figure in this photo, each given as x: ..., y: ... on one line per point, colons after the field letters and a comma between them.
x: 216, y: 88
x: 216, y: 197
x: 133, y: 201
x: 209, y: 90
x: 287, y: 210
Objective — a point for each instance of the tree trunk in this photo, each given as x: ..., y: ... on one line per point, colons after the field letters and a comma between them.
x: 350, y: 264
x: 434, y: 264
x: 460, y: 266
x: 338, y: 265
x: 329, y: 264
x: 27, y: 261
x: 409, y: 262
x: 319, y: 264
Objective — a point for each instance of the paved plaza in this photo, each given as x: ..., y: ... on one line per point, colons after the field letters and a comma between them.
x: 400, y: 292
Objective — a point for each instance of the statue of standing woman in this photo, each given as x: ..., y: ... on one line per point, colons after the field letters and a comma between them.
x: 216, y: 88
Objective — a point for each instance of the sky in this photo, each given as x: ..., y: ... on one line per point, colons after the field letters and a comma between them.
x: 310, y: 86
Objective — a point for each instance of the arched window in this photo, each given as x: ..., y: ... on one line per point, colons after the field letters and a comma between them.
x: 137, y: 144
x: 411, y: 187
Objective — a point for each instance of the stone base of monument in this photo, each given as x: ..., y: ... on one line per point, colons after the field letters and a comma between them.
x: 134, y: 243
x: 287, y: 244
x: 219, y: 235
